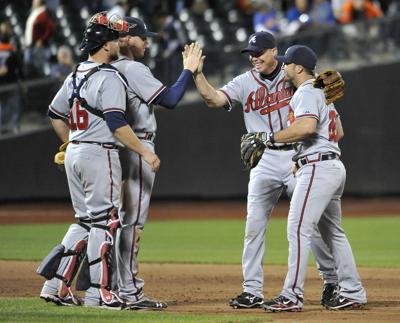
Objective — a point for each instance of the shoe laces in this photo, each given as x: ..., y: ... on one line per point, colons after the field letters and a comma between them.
x: 280, y: 299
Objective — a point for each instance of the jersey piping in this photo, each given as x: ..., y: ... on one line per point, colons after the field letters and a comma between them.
x: 156, y: 94
x: 55, y: 111
x: 228, y: 98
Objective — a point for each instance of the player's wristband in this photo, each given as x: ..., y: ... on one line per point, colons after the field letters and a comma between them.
x: 271, y: 138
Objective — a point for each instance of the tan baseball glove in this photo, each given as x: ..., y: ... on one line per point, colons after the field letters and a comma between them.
x: 60, y: 156
x: 332, y: 83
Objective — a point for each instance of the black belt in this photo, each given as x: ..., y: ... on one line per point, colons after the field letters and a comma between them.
x: 146, y: 135
x: 305, y: 160
x: 107, y: 145
x: 282, y: 147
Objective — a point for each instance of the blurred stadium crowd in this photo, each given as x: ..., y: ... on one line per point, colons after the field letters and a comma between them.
x: 39, y: 39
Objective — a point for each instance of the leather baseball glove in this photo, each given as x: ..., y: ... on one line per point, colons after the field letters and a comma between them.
x: 332, y: 83
x: 252, y: 147
x: 60, y: 156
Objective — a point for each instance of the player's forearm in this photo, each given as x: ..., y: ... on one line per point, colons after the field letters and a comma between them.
x: 212, y: 97
x: 298, y: 131
x: 61, y: 128
x: 127, y: 137
x: 170, y: 96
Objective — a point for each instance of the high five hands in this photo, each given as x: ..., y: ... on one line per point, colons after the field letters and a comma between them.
x: 192, y: 58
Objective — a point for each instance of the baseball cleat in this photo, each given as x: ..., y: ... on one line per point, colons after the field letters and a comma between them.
x: 66, y: 301
x: 246, y: 300
x: 343, y: 303
x: 114, y: 305
x: 282, y: 304
x: 329, y: 291
x: 146, y: 304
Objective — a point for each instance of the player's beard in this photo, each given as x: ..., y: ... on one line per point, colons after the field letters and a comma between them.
x: 137, y: 52
x: 113, y: 56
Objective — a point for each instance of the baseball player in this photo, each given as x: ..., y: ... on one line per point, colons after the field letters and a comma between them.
x: 144, y: 93
x: 264, y: 96
x: 320, y: 182
x: 88, y: 111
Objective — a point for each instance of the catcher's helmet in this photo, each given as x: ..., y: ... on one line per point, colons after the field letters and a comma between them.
x: 102, y: 29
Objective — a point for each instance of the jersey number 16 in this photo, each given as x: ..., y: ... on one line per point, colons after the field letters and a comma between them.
x: 78, y: 117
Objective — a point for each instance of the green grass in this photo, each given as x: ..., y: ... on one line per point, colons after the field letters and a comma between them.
x: 35, y: 310
x: 375, y: 241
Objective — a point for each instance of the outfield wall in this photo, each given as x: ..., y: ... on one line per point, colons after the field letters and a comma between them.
x: 199, y: 147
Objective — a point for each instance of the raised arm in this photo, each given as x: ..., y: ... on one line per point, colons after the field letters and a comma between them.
x: 170, y: 96
x: 212, y: 97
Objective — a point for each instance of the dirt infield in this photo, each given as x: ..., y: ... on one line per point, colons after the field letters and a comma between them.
x: 206, y: 289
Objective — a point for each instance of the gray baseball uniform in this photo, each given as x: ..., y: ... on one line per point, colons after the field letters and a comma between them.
x: 94, y: 174
x: 316, y: 199
x: 266, y: 108
x: 137, y: 176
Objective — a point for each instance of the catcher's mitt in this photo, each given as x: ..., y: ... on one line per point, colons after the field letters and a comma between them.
x: 332, y: 83
x: 60, y: 156
x: 252, y: 147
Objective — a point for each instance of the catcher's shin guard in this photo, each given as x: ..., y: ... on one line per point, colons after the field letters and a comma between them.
x: 83, y: 279
x: 106, y: 255
x: 51, y: 264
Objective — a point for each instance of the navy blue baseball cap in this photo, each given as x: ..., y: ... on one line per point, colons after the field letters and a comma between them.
x: 259, y: 42
x: 137, y: 28
x: 299, y: 55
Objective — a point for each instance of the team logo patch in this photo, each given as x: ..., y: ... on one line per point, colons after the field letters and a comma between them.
x: 132, y: 26
x: 252, y: 39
